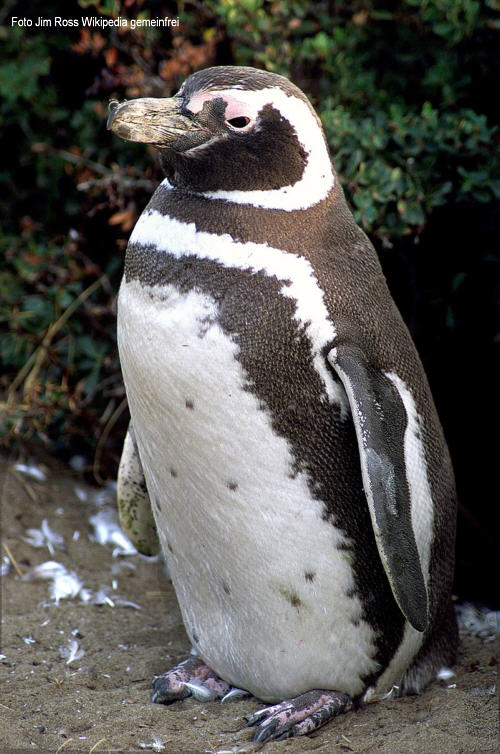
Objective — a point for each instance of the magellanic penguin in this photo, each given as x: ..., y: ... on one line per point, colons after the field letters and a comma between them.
x: 293, y: 459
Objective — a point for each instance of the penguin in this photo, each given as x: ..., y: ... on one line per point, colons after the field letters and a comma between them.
x: 284, y: 450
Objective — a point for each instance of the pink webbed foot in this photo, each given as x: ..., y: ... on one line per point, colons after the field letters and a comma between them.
x: 189, y: 678
x: 300, y: 715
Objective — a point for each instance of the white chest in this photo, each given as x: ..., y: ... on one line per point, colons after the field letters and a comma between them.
x: 261, y: 583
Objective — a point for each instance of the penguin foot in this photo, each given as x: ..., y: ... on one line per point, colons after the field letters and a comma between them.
x: 189, y: 678
x: 300, y: 715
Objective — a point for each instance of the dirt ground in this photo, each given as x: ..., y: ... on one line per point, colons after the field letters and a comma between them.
x: 75, y: 675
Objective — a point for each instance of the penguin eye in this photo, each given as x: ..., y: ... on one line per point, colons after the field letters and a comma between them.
x: 239, y: 122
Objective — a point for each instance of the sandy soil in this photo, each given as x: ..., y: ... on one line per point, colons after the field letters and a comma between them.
x: 98, y: 700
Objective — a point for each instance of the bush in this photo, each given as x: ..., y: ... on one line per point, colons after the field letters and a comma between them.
x: 405, y: 94
x: 394, y: 88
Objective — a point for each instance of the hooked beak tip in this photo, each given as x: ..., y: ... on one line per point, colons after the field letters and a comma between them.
x: 112, y: 108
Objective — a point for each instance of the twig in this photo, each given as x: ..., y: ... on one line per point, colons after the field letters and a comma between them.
x: 108, y: 176
x: 27, y: 487
x: 106, y: 382
x: 30, y: 370
x: 75, y: 159
x: 64, y: 744
x: 104, y: 436
x: 13, y: 560
x: 115, y: 177
x: 97, y: 744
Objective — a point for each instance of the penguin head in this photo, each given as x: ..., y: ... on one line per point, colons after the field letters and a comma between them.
x: 230, y: 128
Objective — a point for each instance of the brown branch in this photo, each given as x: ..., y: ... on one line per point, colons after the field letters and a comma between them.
x: 117, y: 178
x: 13, y: 560
x: 24, y: 484
x: 109, y: 175
x: 104, y: 436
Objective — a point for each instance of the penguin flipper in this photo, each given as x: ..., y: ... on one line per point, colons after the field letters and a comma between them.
x: 380, y: 421
x: 134, y: 507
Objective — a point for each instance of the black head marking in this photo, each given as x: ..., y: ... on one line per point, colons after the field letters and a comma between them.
x: 228, y: 128
x: 241, y: 154
x: 269, y: 157
x: 212, y: 115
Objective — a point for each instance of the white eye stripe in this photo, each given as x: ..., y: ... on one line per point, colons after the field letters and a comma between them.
x: 317, y: 179
x: 237, y: 109
x: 235, y: 105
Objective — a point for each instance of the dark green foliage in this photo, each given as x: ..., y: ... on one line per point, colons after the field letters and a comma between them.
x: 392, y: 83
x: 398, y: 172
x: 406, y: 90
x: 55, y: 319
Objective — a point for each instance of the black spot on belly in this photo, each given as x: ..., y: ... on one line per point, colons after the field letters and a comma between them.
x: 246, y: 300
x: 189, y: 404
x: 226, y: 588
x: 157, y: 505
x: 169, y: 547
x: 173, y: 473
x: 291, y: 596
x: 195, y: 636
x: 232, y: 486
x: 309, y: 576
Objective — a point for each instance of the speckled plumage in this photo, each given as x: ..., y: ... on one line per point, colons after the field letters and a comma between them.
x: 296, y: 467
x: 134, y: 508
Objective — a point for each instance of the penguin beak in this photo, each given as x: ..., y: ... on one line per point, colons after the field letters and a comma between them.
x: 156, y: 121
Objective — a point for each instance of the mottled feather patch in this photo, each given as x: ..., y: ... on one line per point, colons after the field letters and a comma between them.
x: 238, y: 639
x: 291, y: 596
x: 134, y: 505
x: 177, y: 238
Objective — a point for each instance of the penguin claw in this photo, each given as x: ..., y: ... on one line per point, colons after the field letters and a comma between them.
x: 265, y: 732
x: 162, y: 693
x: 253, y: 719
x: 298, y: 716
x: 234, y: 693
x: 189, y: 678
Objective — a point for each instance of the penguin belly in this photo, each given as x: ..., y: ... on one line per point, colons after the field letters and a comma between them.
x: 265, y: 589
